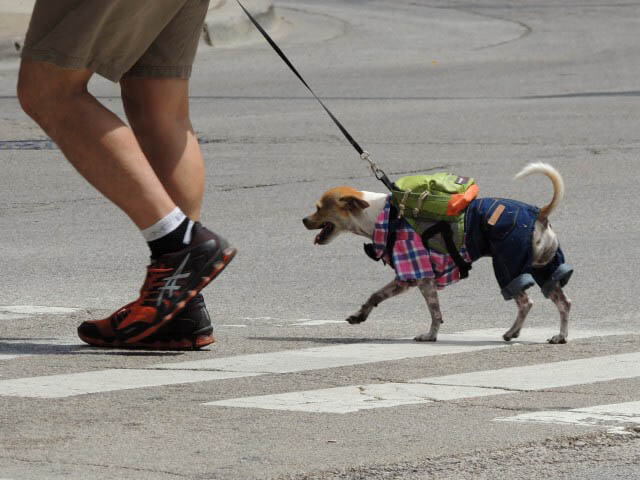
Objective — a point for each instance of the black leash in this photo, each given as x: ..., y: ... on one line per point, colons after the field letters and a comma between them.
x: 379, y: 174
x: 442, y: 228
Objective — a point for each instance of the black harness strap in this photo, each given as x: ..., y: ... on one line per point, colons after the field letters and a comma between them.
x: 371, y: 252
x: 380, y: 175
x: 391, y: 238
x: 445, y: 230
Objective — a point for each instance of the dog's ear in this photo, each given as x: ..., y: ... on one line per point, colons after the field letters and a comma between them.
x: 353, y: 203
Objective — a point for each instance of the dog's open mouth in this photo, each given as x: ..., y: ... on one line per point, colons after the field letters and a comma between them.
x: 325, y: 233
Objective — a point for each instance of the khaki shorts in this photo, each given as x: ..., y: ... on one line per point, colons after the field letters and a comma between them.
x: 149, y: 38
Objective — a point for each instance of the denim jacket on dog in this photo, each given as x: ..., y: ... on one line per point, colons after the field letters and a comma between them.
x: 503, y: 229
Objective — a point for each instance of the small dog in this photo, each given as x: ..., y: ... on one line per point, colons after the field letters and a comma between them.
x: 518, y: 237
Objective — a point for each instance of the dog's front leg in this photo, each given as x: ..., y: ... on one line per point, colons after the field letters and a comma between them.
x: 564, y: 305
x: 390, y: 290
x: 524, y: 305
x: 429, y: 291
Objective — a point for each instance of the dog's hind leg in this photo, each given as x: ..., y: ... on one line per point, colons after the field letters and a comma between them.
x: 524, y: 304
x: 430, y: 293
x: 390, y: 290
x: 564, y: 305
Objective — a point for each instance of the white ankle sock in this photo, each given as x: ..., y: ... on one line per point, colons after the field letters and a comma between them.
x: 165, y: 225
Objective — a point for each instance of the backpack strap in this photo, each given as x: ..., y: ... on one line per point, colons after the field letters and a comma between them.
x: 371, y: 252
x: 394, y: 219
x: 445, y: 230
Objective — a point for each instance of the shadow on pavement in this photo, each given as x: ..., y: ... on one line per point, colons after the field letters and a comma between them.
x: 52, y: 346
x: 400, y: 341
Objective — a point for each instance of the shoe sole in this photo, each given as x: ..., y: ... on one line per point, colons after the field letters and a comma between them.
x: 195, y: 343
x: 216, y: 266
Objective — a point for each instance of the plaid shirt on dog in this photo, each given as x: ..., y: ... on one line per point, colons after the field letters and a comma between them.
x: 411, y: 260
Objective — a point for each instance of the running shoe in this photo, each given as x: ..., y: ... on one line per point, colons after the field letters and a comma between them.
x: 172, y: 281
x: 190, y: 329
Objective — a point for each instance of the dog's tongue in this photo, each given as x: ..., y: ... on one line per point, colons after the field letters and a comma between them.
x: 326, y: 230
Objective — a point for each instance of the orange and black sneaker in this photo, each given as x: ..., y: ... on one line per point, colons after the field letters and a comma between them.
x: 173, y: 279
x: 190, y: 329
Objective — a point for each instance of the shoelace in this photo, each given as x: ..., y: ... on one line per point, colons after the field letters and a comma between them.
x: 148, y: 293
x: 151, y: 287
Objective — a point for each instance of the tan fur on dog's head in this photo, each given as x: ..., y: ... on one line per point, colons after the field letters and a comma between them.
x: 337, y: 211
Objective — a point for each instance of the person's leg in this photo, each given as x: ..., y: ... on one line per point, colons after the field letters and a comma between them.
x: 158, y: 112
x: 106, y: 152
x: 96, y: 142
x: 116, y: 39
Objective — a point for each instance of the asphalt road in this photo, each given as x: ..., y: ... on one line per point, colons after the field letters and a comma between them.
x: 477, y: 88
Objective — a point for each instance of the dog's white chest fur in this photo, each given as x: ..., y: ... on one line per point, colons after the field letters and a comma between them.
x: 367, y: 221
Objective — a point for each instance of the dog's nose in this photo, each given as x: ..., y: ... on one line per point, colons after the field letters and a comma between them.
x: 305, y: 221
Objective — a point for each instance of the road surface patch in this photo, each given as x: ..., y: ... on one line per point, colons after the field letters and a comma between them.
x: 616, y: 416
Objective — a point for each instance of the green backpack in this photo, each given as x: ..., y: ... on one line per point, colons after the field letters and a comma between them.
x: 429, y: 201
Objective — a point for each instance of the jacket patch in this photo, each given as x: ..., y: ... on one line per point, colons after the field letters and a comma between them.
x: 496, y: 215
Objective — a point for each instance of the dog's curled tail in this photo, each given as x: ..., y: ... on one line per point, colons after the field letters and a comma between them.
x: 556, y: 179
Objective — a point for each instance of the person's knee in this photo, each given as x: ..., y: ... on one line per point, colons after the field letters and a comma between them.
x: 43, y: 88
x: 157, y: 124
x: 155, y: 118
x: 30, y: 95
x: 155, y: 107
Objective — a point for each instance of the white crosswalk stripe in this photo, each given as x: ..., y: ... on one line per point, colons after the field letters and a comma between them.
x: 354, y: 398
x: 14, y: 312
x: 8, y: 356
x: 614, y: 416
x: 450, y: 387
x: 58, y: 386
x: 288, y: 361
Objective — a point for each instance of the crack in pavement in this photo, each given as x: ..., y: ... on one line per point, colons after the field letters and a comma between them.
x: 471, y: 10
x: 506, y: 389
x: 4, y: 144
x: 231, y: 188
x: 526, y: 6
x: 88, y: 464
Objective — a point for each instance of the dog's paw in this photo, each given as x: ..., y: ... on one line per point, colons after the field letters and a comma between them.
x: 357, y: 318
x: 556, y: 339
x: 426, y: 337
x: 510, y: 336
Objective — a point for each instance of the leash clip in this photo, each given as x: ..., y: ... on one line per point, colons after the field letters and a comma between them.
x: 379, y: 174
x: 366, y: 156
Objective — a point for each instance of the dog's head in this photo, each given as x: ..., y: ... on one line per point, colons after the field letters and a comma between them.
x: 337, y: 211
